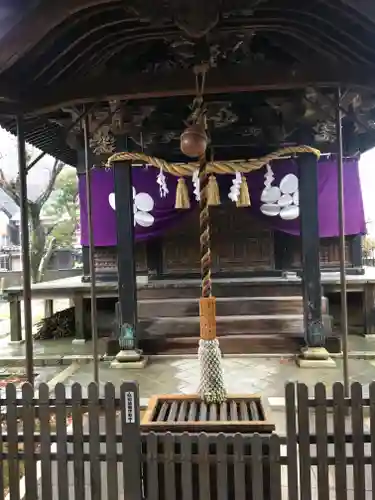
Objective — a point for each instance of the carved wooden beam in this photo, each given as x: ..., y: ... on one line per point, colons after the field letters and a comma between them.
x: 36, y: 24
x: 181, y: 83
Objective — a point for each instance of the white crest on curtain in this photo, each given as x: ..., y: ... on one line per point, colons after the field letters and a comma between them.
x: 283, y: 200
x: 143, y: 205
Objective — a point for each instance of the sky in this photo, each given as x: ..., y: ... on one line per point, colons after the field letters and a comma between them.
x: 39, y: 175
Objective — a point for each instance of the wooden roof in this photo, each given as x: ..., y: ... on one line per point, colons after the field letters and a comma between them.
x: 273, y: 67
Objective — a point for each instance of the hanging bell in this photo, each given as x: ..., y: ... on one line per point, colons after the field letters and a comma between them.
x: 193, y: 141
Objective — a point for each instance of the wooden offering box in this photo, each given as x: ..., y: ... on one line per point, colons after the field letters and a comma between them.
x: 188, y: 413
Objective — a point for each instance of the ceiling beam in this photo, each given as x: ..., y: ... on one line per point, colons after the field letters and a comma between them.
x: 181, y: 83
x: 365, y: 8
x: 34, y: 26
x: 9, y: 108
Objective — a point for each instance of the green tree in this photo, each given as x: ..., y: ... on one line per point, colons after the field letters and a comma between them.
x: 368, y: 246
x: 61, y: 209
x: 41, y: 243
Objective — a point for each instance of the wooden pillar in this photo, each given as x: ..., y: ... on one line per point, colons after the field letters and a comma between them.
x: 48, y: 308
x: 25, y: 240
x: 79, y: 319
x: 127, y: 286
x: 315, y: 337
x: 15, y: 319
x: 356, y: 251
x: 369, y: 308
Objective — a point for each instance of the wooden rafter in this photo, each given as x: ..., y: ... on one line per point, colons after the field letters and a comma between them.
x: 365, y: 8
x: 38, y: 23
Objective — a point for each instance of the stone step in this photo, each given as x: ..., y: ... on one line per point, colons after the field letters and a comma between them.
x: 174, y: 327
x: 235, y: 344
x: 225, y: 306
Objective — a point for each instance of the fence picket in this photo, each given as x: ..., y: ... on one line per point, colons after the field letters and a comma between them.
x: 12, y: 431
x: 304, y: 441
x: 239, y: 467
x: 321, y: 444
x: 291, y: 432
x: 222, y: 467
x: 275, y: 468
x: 169, y: 467
x: 61, y: 445
x: 339, y: 410
x: 45, y: 442
x: 94, y: 444
x: 110, y: 442
x: 28, y: 421
x: 372, y: 432
x: 256, y: 467
x: 78, y: 464
x: 358, y: 444
x: 186, y: 467
x: 204, y: 467
x: 152, y: 492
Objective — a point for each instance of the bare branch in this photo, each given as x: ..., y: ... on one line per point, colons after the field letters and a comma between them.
x: 56, y: 169
x: 10, y: 188
x: 32, y: 163
x: 51, y: 228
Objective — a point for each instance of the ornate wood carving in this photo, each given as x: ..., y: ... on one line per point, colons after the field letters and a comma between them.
x: 106, y: 259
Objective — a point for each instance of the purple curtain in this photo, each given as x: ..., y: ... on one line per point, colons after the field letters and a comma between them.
x: 273, y: 191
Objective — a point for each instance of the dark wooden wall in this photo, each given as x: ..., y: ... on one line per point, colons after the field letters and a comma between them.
x: 288, y: 252
x: 240, y: 244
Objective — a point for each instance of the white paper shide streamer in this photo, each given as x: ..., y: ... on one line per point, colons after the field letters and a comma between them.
x: 234, y: 192
x: 196, y: 184
x: 162, y: 182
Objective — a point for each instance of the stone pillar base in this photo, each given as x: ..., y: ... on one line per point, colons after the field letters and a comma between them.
x: 315, y: 357
x: 129, y: 359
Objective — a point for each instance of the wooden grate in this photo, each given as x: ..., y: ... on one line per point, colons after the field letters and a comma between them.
x: 189, y: 413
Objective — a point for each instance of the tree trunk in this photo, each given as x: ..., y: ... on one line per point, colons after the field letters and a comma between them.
x: 45, y: 259
x: 37, y: 240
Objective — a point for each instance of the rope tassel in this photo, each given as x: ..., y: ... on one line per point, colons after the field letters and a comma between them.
x: 244, y: 197
x: 182, y: 195
x: 211, y: 387
x: 213, y: 195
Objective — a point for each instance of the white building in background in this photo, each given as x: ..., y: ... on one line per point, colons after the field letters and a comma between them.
x: 370, y: 227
